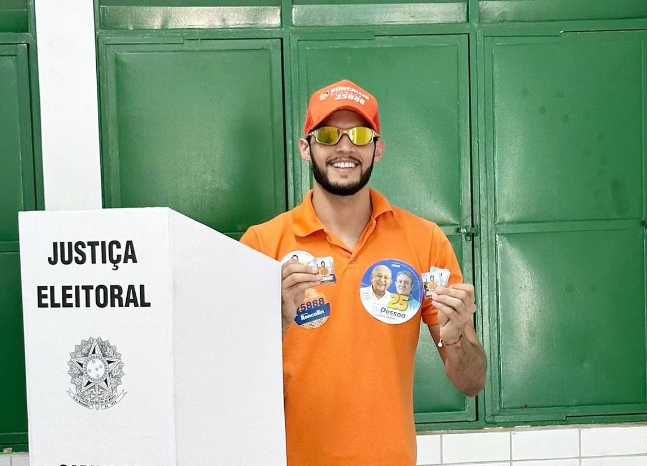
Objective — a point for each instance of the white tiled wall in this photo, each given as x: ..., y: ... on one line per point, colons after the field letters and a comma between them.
x: 547, y: 446
x: 17, y: 459
x: 559, y: 446
x: 473, y: 447
x: 20, y: 460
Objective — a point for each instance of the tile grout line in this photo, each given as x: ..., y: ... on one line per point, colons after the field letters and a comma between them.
x: 579, y: 438
x: 442, y: 447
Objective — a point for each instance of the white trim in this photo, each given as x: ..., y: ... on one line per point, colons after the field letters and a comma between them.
x: 68, y: 104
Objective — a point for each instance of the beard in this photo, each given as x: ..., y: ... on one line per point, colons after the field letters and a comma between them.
x: 338, y: 189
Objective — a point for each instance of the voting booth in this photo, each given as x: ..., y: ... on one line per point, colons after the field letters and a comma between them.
x: 151, y: 340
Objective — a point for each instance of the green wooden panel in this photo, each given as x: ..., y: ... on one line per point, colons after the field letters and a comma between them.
x: 564, y: 144
x: 568, y: 128
x: 16, y: 193
x: 571, y: 322
x: 377, y: 12
x: 16, y: 155
x: 174, y: 14
x: 197, y: 127
x: 117, y: 17
x: 374, y: 2
x: 188, y: 3
x: 573, y: 167
x: 435, y: 398
x: 13, y: 396
x: 554, y: 10
x: 424, y: 115
x: 14, y: 16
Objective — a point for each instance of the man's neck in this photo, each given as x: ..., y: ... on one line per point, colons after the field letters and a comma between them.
x: 345, y: 216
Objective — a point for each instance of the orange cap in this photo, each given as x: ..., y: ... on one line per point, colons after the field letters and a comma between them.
x: 342, y: 95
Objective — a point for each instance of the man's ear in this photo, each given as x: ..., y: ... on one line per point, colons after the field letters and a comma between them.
x: 379, y: 149
x: 304, y: 149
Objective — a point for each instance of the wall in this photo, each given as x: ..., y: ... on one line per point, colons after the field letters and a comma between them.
x: 573, y: 446
x: 562, y: 444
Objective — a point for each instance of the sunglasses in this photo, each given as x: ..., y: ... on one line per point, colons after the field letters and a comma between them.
x: 330, y: 135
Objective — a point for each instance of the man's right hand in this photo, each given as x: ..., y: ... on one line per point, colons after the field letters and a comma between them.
x: 296, y: 278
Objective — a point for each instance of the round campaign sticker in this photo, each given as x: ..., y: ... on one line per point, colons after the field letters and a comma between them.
x: 302, y: 256
x: 391, y: 291
x: 314, y: 311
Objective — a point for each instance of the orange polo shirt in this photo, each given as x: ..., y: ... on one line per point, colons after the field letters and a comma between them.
x: 348, y: 383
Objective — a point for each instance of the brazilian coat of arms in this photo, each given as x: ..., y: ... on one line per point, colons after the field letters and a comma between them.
x: 96, y: 369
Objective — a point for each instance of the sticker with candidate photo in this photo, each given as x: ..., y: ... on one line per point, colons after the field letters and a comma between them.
x: 435, y: 277
x: 391, y: 291
x: 314, y: 311
x: 302, y: 256
x: 326, y: 269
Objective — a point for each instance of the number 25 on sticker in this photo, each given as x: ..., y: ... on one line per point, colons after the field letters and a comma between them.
x: 399, y: 302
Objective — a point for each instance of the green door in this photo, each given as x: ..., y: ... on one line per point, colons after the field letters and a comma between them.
x: 196, y: 126
x: 17, y: 193
x: 565, y: 151
x: 200, y: 105
x: 14, y: 16
x: 424, y: 110
x: 560, y: 10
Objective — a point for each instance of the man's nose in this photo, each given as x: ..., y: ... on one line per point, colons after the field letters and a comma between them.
x: 344, y: 144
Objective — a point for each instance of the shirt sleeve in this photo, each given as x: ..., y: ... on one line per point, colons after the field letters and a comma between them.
x: 442, y: 256
x: 250, y: 238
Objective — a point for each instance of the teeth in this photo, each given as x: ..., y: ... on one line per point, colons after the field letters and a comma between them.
x: 344, y: 165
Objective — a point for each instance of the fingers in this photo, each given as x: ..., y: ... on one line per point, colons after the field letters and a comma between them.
x: 299, y: 289
x: 442, y: 318
x: 458, y: 290
x: 449, y: 311
x: 455, y: 303
x: 293, y: 266
x: 448, y: 301
x: 294, y: 274
x: 297, y: 279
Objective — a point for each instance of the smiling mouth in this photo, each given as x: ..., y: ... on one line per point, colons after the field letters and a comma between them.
x: 344, y: 164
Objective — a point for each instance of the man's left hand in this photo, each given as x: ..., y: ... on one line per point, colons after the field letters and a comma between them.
x: 455, y: 306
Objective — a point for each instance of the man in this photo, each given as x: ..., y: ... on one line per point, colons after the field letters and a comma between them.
x: 323, y: 270
x: 404, y: 287
x: 348, y: 382
x: 377, y: 294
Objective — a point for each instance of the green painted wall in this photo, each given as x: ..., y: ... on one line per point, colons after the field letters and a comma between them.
x: 522, y: 120
x: 20, y: 189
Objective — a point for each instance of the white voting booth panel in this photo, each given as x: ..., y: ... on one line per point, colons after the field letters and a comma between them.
x: 151, y: 340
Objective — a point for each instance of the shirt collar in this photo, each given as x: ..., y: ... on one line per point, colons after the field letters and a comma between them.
x: 306, y: 222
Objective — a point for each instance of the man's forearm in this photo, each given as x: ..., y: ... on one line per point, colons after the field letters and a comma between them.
x: 466, y: 365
